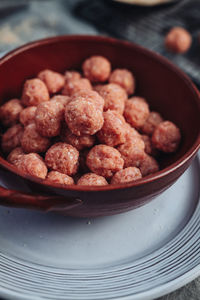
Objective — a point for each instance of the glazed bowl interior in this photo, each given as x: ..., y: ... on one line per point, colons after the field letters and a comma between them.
x: 167, y: 89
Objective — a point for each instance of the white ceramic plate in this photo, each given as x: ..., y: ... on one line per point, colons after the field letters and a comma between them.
x: 141, y: 254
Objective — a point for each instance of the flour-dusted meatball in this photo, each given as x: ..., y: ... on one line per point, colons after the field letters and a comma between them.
x: 71, y: 75
x: 151, y: 122
x: 32, y: 141
x: 27, y: 115
x: 34, y: 92
x: 83, y: 117
x: 32, y: 164
x: 12, y: 138
x: 79, y: 142
x: 53, y: 80
x: 126, y: 175
x: 97, y: 68
x: 113, y: 132
x: 136, y: 112
x: 74, y: 85
x: 63, y: 158
x: 60, y: 178
x: 15, y: 155
x: 166, y: 137
x: 178, y: 40
x: 132, y: 152
x: 9, y: 112
x: 114, y: 97
x: 124, y: 78
x: 48, y: 118
x: 104, y: 160
x: 92, y: 179
x: 149, y: 147
x: 148, y: 165
x: 64, y: 100
x: 91, y: 96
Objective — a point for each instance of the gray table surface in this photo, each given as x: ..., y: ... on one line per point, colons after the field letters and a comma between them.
x: 22, y: 21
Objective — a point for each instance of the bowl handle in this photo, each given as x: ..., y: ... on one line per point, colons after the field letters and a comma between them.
x: 36, y: 201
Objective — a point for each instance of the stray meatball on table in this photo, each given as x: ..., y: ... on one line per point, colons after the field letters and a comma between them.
x: 86, y: 128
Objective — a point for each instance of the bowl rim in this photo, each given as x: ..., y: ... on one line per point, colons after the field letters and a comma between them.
x: 153, y: 55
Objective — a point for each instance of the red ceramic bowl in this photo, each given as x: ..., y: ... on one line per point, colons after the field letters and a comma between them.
x: 167, y: 89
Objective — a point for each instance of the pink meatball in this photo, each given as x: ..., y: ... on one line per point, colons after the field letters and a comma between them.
x: 82, y: 117
x: 9, y: 112
x: 74, y: 85
x: 136, y: 112
x: 91, y: 96
x: 114, y: 97
x: 178, y: 40
x: 97, y: 68
x: 32, y: 164
x: 59, y: 178
x: 151, y: 122
x: 79, y: 142
x: 126, y: 175
x: 149, y: 147
x: 92, y: 179
x: 166, y: 137
x: 27, y: 115
x: 53, y: 80
x: 32, y: 141
x: 148, y: 165
x: 34, y: 92
x: 71, y: 75
x: 113, y: 131
x: 64, y: 100
x: 48, y: 118
x: 104, y: 160
x: 124, y: 78
x: 63, y: 158
x: 132, y: 153
x: 131, y: 133
x: 15, y: 155
x: 12, y: 138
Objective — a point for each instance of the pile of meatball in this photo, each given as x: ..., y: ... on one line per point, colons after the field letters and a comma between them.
x: 85, y: 129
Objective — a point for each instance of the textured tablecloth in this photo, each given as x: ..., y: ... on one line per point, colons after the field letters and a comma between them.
x: 23, y: 21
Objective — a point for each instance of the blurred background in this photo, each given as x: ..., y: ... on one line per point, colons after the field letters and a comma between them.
x: 146, y: 22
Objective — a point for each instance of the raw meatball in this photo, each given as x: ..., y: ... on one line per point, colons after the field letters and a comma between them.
x: 132, y: 152
x: 136, y: 112
x: 32, y: 141
x: 166, y: 137
x: 15, y: 155
x: 27, y: 115
x: 97, y: 68
x: 91, y: 96
x: 83, y: 117
x: 92, y: 179
x: 178, y: 40
x: 113, y: 132
x: 64, y: 100
x: 71, y: 75
x: 114, y: 97
x: 149, y: 147
x: 151, y: 122
x: 34, y: 92
x: 60, y: 178
x: 74, y: 85
x: 124, y: 78
x: 79, y: 142
x: 148, y: 165
x: 53, y: 80
x: 32, y: 164
x: 12, y: 138
x: 48, y: 118
x: 104, y: 160
x: 126, y: 175
x: 9, y: 112
x: 63, y: 158
x: 131, y: 133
